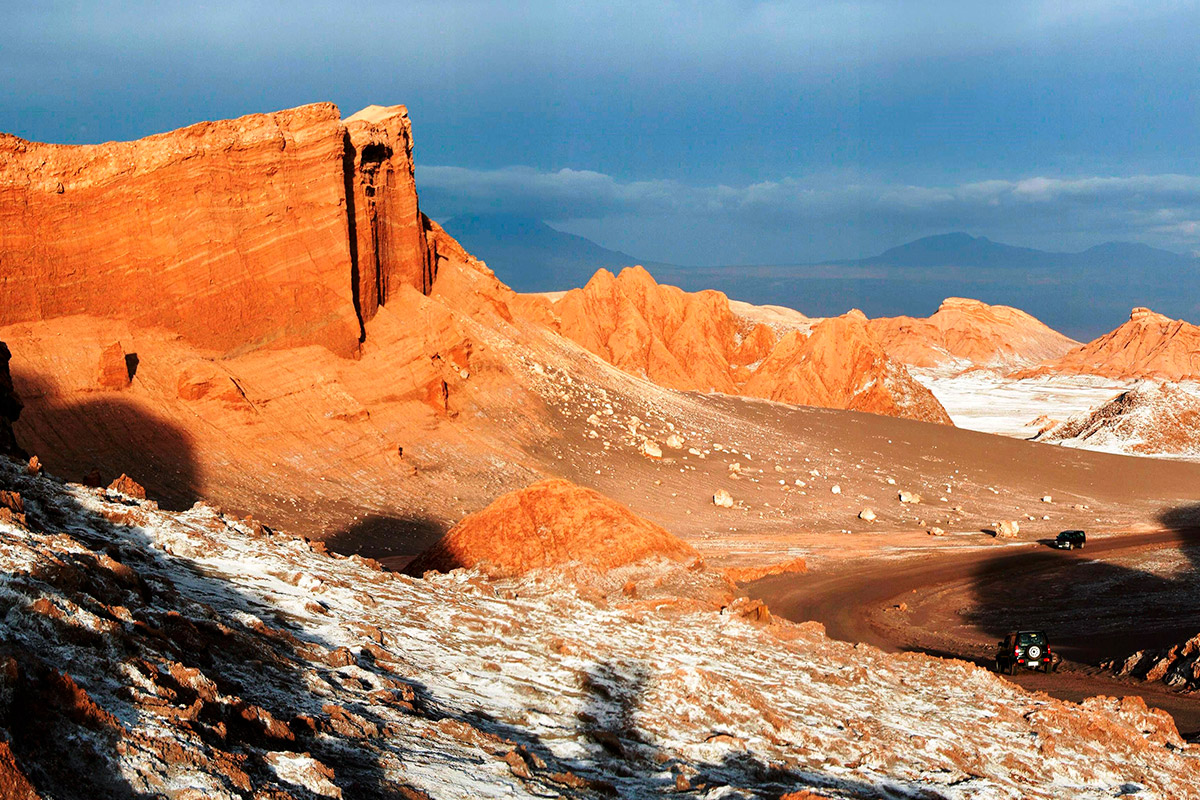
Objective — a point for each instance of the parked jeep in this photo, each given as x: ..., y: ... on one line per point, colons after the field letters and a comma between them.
x: 1069, y: 540
x: 1028, y: 649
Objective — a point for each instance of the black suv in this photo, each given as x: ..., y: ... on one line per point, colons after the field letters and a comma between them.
x: 1069, y: 540
x: 1028, y: 649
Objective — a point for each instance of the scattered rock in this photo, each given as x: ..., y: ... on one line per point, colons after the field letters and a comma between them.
x: 936, y: 531
x: 909, y: 497
x: 867, y: 515
x: 835, y: 489
x: 723, y: 499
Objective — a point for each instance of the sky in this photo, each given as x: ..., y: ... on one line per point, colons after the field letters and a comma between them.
x: 687, y: 132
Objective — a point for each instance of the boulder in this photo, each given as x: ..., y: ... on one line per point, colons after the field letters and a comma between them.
x: 112, y: 371
x: 551, y: 523
x: 1007, y: 529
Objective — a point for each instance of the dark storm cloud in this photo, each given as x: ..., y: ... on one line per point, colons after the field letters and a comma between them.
x: 774, y: 216
x: 830, y: 127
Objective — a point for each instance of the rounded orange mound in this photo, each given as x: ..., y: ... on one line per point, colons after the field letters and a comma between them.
x: 551, y: 523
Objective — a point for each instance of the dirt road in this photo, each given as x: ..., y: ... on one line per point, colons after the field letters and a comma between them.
x: 1096, y: 603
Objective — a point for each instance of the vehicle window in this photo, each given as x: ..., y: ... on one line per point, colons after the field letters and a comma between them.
x: 1031, y: 638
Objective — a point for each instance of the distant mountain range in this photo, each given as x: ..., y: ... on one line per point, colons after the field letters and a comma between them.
x: 964, y: 250
x: 530, y: 256
x: 1082, y: 294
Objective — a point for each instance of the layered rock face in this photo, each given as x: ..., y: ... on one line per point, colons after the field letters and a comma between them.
x: 10, y: 406
x: 969, y: 333
x: 1149, y: 345
x: 552, y: 523
x: 275, y: 229
x: 697, y: 342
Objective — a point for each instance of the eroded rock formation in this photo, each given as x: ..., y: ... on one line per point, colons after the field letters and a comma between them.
x: 841, y: 365
x: 551, y: 523
x: 1149, y: 345
x: 696, y: 341
x: 1150, y: 419
x: 268, y: 230
x: 969, y: 333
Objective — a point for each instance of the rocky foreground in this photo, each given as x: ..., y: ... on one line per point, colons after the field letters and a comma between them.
x: 192, y: 655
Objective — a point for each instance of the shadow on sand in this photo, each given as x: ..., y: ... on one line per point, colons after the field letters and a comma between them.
x: 1093, y: 608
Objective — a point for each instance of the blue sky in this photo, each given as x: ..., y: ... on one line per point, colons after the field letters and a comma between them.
x: 697, y: 133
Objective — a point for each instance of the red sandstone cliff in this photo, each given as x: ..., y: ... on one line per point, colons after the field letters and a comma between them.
x: 695, y: 341
x: 1149, y: 345
x: 269, y: 230
x: 970, y: 333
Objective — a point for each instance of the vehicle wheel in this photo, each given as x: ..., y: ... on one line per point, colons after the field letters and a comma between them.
x: 1081, y: 545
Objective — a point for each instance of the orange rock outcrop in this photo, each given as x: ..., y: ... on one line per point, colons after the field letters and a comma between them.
x: 970, y: 333
x: 551, y: 523
x: 841, y: 365
x: 275, y: 229
x: 1149, y: 345
x: 695, y: 341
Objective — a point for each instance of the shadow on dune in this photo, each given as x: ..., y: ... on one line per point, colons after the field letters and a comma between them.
x: 1091, y: 607
x: 105, y: 434
x: 391, y: 540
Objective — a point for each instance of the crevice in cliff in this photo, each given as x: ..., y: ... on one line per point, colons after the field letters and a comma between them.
x: 348, y: 156
x: 373, y: 173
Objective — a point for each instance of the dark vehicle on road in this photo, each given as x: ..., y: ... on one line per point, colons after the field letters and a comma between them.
x: 1069, y: 540
x: 1027, y: 649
